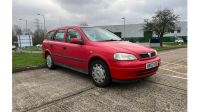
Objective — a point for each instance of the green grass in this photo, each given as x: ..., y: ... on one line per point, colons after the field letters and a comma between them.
x: 27, y: 60
x: 170, y: 45
x: 33, y: 48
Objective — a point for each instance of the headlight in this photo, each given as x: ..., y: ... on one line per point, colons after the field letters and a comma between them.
x: 124, y: 56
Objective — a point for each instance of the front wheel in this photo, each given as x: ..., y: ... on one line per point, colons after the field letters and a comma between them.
x: 100, y: 73
x: 49, y: 62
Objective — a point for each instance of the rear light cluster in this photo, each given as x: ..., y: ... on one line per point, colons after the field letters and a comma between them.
x: 148, y: 55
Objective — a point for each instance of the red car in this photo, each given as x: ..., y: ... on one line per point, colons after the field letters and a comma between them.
x: 100, y: 53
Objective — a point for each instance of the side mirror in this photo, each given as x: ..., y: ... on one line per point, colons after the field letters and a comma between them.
x: 76, y: 41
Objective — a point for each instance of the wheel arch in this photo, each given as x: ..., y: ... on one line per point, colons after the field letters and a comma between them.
x: 46, y: 52
x: 97, y: 58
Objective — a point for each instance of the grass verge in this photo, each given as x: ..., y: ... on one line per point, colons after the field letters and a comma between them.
x: 23, y: 61
x: 33, y: 48
x: 168, y: 46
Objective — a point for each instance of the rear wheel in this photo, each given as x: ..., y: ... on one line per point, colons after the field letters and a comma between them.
x: 100, y: 73
x: 49, y: 62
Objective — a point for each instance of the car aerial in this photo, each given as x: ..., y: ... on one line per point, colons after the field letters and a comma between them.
x: 99, y: 53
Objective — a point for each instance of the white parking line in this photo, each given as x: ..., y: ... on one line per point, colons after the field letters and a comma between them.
x: 175, y: 76
x: 180, y: 60
x: 167, y: 52
x: 168, y: 63
x: 173, y: 71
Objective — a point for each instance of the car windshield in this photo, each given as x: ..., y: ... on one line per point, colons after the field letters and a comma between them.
x: 97, y: 34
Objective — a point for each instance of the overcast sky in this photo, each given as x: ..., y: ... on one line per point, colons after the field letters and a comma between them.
x: 94, y: 12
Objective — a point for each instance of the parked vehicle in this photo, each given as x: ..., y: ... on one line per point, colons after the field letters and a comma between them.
x: 39, y: 46
x: 99, y: 53
x: 13, y: 47
x: 179, y: 40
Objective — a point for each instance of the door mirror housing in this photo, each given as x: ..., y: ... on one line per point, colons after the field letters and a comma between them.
x: 76, y: 41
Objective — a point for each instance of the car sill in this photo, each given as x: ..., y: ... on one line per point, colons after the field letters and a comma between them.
x: 72, y: 68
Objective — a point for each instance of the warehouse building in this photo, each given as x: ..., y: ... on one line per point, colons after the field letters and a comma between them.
x: 134, y: 32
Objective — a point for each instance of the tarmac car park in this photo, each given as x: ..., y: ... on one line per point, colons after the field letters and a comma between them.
x: 66, y: 90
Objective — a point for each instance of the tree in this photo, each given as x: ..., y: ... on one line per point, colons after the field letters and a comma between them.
x: 38, y: 36
x: 163, y: 22
x: 16, y: 30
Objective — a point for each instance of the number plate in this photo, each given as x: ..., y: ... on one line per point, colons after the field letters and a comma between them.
x: 151, y: 65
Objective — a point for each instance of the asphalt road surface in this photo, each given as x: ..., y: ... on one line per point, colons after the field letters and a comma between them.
x: 64, y: 90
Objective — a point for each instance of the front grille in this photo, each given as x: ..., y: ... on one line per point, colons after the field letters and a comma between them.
x: 148, y: 55
x: 145, y: 72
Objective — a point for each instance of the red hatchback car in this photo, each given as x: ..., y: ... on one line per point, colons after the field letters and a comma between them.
x: 100, y: 53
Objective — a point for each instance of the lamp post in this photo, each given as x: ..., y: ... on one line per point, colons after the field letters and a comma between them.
x: 44, y: 21
x: 124, y: 26
x: 26, y: 25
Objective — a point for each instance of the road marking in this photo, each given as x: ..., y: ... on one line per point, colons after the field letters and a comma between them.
x: 175, y: 76
x: 167, y: 52
x: 172, y: 71
x: 179, y: 60
x: 172, y: 63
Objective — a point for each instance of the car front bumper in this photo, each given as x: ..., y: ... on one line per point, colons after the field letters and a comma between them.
x: 128, y: 70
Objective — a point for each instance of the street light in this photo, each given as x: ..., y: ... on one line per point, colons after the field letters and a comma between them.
x: 26, y: 24
x: 44, y: 21
x: 124, y: 26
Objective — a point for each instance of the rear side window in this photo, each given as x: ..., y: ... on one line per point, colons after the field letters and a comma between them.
x: 49, y: 35
x: 59, y: 36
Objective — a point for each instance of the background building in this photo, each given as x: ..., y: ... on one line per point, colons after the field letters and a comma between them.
x: 134, y: 32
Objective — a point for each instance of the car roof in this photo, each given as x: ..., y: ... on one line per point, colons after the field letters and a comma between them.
x: 65, y: 27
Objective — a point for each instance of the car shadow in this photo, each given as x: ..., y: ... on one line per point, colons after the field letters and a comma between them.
x: 72, y: 72
x: 114, y: 84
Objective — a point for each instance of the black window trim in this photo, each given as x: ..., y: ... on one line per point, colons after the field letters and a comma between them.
x: 55, y: 32
x: 51, y: 36
x: 67, y: 34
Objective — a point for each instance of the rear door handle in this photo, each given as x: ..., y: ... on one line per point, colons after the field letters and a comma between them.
x: 64, y: 47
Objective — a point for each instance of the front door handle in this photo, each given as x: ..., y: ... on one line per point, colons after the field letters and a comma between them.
x: 64, y: 47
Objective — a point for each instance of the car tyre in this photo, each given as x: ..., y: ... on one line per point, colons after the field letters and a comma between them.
x: 100, y: 73
x: 49, y: 62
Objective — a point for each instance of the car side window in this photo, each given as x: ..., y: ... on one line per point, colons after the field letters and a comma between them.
x: 59, y: 36
x: 71, y: 33
x: 49, y: 35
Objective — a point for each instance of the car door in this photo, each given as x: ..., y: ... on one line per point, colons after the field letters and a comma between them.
x: 48, y: 42
x: 75, y: 53
x: 57, y: 46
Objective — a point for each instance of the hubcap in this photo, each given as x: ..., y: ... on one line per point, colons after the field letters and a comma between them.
x: 49, y: 61
x: 98, y: 73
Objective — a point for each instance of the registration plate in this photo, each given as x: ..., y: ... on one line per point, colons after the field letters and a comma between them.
x: 151, y: 65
